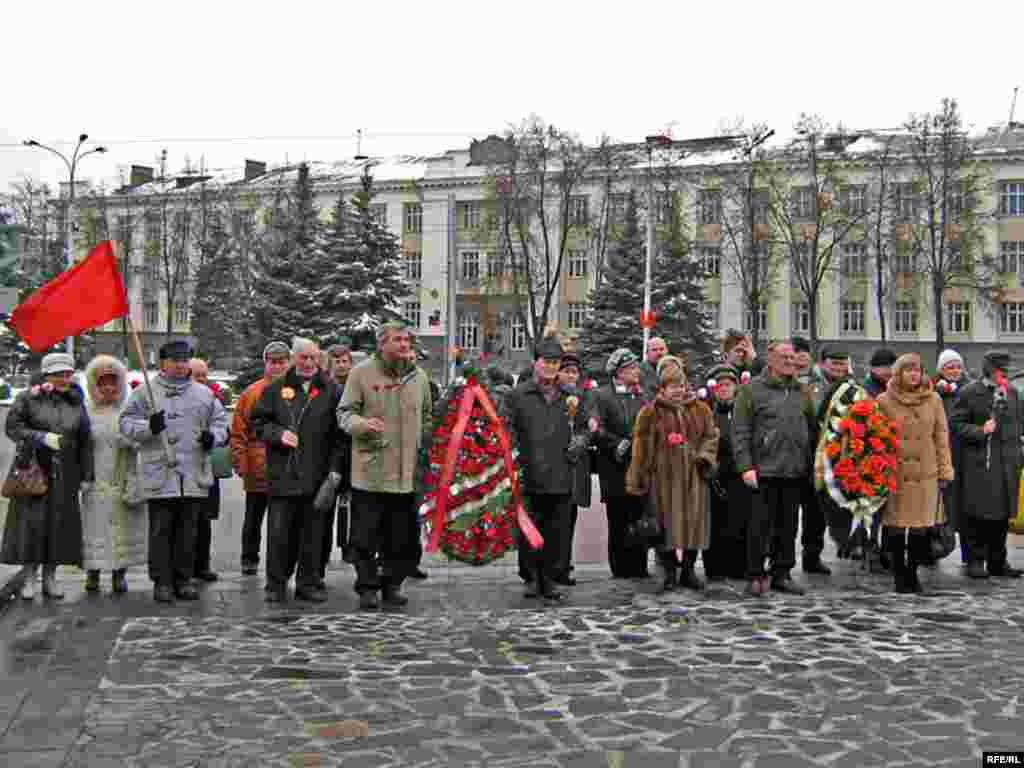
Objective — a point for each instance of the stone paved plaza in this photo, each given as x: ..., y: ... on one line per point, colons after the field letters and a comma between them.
x: 473, y: 674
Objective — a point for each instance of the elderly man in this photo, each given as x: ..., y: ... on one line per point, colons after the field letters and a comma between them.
x: 294, y: 417
x: 656, y: 349
x: 386, y: 407
x: 880, y: 372
x: 773, y: 439
x: 249, y: 454
x: 194, y: 421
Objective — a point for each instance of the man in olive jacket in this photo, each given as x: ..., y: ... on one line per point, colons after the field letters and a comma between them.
x: 773, y: 437
x: 295, y: 418
x: 386, y: 407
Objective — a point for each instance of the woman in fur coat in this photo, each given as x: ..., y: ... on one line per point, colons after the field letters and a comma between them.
x: 115, y: 531
x: 675, y: 448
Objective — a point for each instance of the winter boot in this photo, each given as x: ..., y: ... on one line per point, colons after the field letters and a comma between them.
x: 28, y: 584
x: 368, y: 600
x: 667, y: 569
x: 50, y: 588
x: 392, y: 596
x: 688, y: 576
x: 894, y: 539
x: 118, y: 582
x: 92, y: 581
x: 531, y: 587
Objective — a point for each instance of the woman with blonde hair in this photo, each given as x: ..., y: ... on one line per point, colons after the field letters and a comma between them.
x: 675, y: 449
x: 924, y: 468
x: 115, y: 526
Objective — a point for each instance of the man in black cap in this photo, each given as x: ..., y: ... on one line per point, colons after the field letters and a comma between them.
x: 568, y: 381
x: 804, y: 361
x: 880, y: 371
x: 987, y: 416
x: 194, y: 422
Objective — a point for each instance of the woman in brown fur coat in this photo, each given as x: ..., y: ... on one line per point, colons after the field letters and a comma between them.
x: 675, y: 445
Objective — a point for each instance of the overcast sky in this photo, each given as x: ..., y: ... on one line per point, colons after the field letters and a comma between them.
x: 221, y: 80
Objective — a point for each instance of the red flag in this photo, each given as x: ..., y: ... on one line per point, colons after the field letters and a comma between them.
x: 89, y: 294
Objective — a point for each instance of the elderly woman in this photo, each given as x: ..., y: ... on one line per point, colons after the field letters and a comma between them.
x: 50, y: 422
x: 924, y: 468
x: 675, y: 446
x: 950, y: 378
x: 114, y: 521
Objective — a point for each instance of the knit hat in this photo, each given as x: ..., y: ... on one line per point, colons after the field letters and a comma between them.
x: 276, y: 349
x: 949, y: 356
x: 618, y: 360
x: 57, y: 362
x: 881, y: 358
x: 720, y: 372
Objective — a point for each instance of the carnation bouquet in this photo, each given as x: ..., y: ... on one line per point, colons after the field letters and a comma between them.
x: 858, y: 453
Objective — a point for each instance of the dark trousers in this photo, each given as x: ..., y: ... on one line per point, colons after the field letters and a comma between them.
x: 772, y: 528
x: 252, y: 526
x: 986, y: 542
x: 550, y: 513
x: 204, y: 539
x: 838, y: 520
x: 327, y: 538
x: 293, y: 539
x: 726, y: 557
x: 812, y: 520
x: 172, y: 539
x: 563, y: 563
x: 906, y: 546
x: 384, y: 529
x: 624, y: 561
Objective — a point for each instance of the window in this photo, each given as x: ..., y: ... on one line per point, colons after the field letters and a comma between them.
x: 1011, y: 317
x: 152, y: 227
x: 577, y: 314
x: 907, y: 201
x: 713, y: 312
x: 470, y: 266
x: 711, y: 261
x: 379, y: 214
x: 1011, y: 198
x: 152, y: 313
x: 905, y: 317
x: 855, y: 260
x: 905, y: 261
x: 124, y: 234
x: 758, y: 319
x: 853, y: 200
x: 801, y: 317
x: 181, y: 312
x: 412, y: 219
x: 761, y: 202
x: 469, y: 332
x: 958, y: 317
x: 411, y: 313
x: 577, y: 263
x: 802, y: 203
x: 412, y: 264
x: 469, y: 215
x: 617, y: 207
x: 662, y: 207
x: 517, y: 333
x: 495, y: 264
x: 709, y: 206
x: 578, y: 211
x: 851, y: 317
x: 1011, y: 253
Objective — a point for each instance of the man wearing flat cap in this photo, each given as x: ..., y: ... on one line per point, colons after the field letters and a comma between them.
x: 568, y: 381
x: 879, y: 371
x: 175, y: 433
x: 615, y: 408
x: 549, y: 435
x: 988, y: 419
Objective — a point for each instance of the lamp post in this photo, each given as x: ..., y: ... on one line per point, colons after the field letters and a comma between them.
x: 72, y: 165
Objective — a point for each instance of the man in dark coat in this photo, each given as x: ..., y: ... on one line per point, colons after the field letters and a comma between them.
x: 616, y: 407
x: 550, y: 441
x: 295, y: 418
x: 340, y: 357
x: 880, y: 371
x: 656, y: 349
x: 988, y: 418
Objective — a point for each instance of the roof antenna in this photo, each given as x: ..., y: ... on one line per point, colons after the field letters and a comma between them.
x: 359, y: 146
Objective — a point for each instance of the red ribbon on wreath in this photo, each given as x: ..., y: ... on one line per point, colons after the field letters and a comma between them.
x: 471, y: 393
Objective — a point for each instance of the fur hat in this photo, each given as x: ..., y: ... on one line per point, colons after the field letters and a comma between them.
x: 618, y: 360
x: 57, y: 362
x: 881, y: 358
x: 276, y: 349
x: 670, y: 368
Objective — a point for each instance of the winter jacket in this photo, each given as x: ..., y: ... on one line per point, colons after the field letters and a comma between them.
x: 616, y: 411
x: 285, y: 405
x: 989, y: 468
x: 648, y: 379
x: 189, y: 409
x: 541, y: 432
x: 774, y: 428
x: 924, y: 457
x: 399, y: 395
x: 874, y: 387
x: 248, y: 452
x: 581, y: 480
x: 674, y: 474
x: 48, y: 529
x: 951, y: 494
x: 723, y: 413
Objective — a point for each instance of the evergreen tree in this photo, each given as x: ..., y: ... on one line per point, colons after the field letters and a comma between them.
x: 219, y: 310
x: 360, y: 275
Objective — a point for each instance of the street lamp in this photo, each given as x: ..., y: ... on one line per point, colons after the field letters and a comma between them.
x: 72, y: 165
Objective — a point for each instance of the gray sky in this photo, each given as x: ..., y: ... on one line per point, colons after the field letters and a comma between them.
x: 296, y: 80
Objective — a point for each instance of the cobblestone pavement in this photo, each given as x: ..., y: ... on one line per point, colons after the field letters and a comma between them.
x: 473, y: 674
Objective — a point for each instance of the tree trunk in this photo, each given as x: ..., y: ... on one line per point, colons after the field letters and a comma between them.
x: 940, y: 338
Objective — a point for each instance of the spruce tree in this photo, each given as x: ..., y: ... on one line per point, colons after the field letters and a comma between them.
x: 219, y: 310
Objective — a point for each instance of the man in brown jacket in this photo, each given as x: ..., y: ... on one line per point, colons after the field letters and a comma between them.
x: 249, y: 454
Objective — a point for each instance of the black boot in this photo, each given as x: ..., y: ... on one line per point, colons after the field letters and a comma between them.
x: 668, y: 568
x: 392, y: 596
x: 913, y: 583
x: 547, y: 587
x: 688, y: 576
x: 897, y: 557
x: 531, y: 585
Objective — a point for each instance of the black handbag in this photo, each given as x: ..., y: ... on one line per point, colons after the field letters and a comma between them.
x: 645, y: 531
x: 941, y: 536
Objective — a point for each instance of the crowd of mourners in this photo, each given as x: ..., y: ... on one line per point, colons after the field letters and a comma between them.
x: 722, y: 474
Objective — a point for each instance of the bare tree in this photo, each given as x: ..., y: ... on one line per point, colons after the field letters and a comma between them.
x: 882, y: 199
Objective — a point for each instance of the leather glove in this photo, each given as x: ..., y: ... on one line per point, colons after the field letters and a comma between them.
x: 157, y: 423
x: 52, y: 441
x: 577, y: 447
x: 622, y: 449
x: 206, y: 439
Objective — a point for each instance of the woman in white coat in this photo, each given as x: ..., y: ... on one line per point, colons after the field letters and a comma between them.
x: 115, y: 526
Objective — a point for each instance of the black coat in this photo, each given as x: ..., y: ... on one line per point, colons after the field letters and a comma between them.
x: 726, y: 456
x: 542, y: 431
x: 48, y: 529
x: 616, y: 414
x: 989, y: 470
x: 951, y: 494
x: 300, y: 471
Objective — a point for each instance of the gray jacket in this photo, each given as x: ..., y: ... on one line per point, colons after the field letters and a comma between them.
x: 189, y: 409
